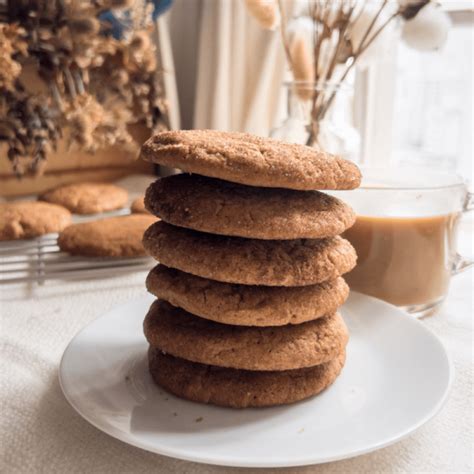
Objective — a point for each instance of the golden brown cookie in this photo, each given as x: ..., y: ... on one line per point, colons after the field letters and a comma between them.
x: 240, y: 388
x: 190, y: 337
x: 138, y: 206
x: 249, y: 261
x: 27, y: 219
x: 87, y: 198
x: 252, y: 160
x: 221, y: 207
x: 246, y: 305
x: 111, y: 237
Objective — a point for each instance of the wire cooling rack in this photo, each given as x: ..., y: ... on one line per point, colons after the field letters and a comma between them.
x: 40, y: 259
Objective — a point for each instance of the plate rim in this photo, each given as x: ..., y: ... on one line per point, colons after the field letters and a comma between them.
x: 236, y: 462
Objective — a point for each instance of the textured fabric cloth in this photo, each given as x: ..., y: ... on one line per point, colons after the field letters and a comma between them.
x: 41, y: 433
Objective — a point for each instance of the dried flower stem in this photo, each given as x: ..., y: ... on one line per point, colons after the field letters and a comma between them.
x: 378, y: 31
x: 369, y: 29
x: 359, y: 13
x: 359, y: 52
x: 70, y: 83
x: 318, y: 39
x: 313, y: 129
x: 341, y: 37
x: 329, y: 20
x: 322, y: 111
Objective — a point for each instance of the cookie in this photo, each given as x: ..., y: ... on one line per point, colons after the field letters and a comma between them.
x: 110, y: 237
x: 249, y: 261
x: 248, y: 159
x: 221, y: 207
x: 87, y: 198
x: 240, y: 388
x: 246, y: 305
x: 189, y: 337
x: 28, y: 219
x: 138, y: 206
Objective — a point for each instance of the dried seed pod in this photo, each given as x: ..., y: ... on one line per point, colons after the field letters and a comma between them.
x: 266, y: 12
x: 428, y: 30
x: 302, y: 66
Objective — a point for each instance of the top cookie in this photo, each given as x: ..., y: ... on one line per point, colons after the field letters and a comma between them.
x: 87, y: 198
x: 27, y: 219
x: 220, y: 207
x: 248, y: 159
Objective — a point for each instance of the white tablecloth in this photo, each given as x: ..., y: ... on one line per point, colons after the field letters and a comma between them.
x: 41, y: 433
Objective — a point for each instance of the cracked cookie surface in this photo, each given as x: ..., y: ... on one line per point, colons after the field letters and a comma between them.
x: 246, y: 305
x: 240, y: 388
x: 250, y: 261
x: 251, y: 160
x: 110, y: 237
x: 138, y: 206
x: 176, y: 332
x: 221, y: 207
x: 87, y: 198
x: 28, y: 219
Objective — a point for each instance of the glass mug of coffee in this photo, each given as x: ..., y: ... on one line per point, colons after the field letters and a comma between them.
x: 405, y: 235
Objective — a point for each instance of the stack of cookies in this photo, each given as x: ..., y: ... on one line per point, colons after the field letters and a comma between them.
x: 249, y: 279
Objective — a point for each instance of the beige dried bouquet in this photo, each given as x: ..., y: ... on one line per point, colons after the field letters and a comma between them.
x: 324, y: 39
x: 79, y: 69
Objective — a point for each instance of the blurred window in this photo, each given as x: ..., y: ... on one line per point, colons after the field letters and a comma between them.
x: 433, y: 100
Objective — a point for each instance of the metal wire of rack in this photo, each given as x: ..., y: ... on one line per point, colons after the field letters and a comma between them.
x: 40, y: 259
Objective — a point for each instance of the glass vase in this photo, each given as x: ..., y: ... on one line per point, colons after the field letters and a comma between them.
x: 320, y: 116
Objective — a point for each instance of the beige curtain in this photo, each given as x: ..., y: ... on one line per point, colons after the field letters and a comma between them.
x: 166, y: 63
x: 229, y: 70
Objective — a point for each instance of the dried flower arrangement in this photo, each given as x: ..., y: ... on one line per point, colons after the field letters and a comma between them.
x: 84, y: 70
x: 325, y: 39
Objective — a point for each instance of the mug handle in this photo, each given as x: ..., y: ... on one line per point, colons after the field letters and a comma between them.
x: 461, y: 263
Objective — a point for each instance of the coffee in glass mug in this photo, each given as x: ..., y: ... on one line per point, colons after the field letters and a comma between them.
x: 405, y: 235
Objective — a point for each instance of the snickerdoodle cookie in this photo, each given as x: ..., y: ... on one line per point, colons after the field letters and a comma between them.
x: 110, y: 237
x: 246, y: 305
x: 221, y: 207
x: 87, y: 198
x: 251, y: 160
x: 240, y: 388
x: 249, y: 261
x: 184, y: 335
x: 27, y: 219
x: 138, y: 206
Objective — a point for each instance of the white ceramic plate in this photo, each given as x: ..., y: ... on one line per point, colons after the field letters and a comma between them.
x: 396, y: 378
